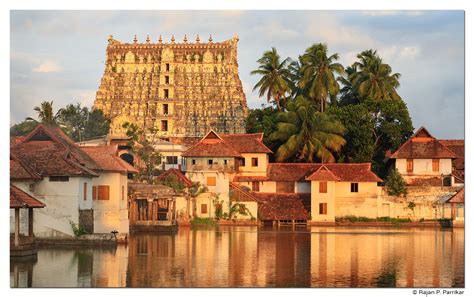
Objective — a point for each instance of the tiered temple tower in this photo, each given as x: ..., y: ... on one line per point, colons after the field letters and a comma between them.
x: 181, y: 89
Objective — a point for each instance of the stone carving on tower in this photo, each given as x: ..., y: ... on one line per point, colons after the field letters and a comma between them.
x: 180, y: 89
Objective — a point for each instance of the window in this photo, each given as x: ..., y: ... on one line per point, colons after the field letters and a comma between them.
x: 354, y: 187
x: 94, y: 192
x: 193, y: 161
x: 167, y: 93
x: 31, y: 187
x: 203, y: 208
x: 323, y: 208
x: 409, y: 165
x: 167, y: 67
x: 167, y: 80
x: 84, y: 192
x: 171, y: 160
x: 255, y: 186
x: 323, y: 187
x: 59, y: 178
x: 225, y: 162
x: 164, y: 125
x: 209, y: 162
x: 285, y: 187
x: 103, y: 192
x: 254, y: 162
x: 123, y: 193
x: 211, y: 180
x: 435, y: 165
x: 165, y: 109
x: 242, y: 161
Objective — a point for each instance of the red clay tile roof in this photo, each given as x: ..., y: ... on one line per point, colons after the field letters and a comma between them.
x: 283, y: 206
x: 19, y: 199
x: 241, y: 193
x: 227, y: 145
x: 244, y: 178
x: 48, y: 151
x: 323, y: 174
x: 457, y: 147
x: 105, y: 156
x: 458, y: 197
x: 177, y: 174
x: 423, y: 146
x: 298, y: 172
x: 20, y: 171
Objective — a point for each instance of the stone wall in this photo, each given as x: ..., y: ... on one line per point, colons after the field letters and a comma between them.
x: 86, y: 220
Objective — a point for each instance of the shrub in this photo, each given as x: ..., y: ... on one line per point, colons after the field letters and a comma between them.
x: 396, y: 185
x: 78, y: 230
x: 203, y: 222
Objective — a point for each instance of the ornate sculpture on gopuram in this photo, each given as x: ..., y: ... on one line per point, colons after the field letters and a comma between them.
x: 181, y: 89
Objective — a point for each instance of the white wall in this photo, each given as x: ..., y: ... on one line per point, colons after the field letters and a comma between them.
x: 111, y: 214
x: 424, y: 167
x: 63, y: 200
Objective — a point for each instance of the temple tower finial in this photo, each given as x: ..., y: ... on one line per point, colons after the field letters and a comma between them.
x: 172, y: 39
x: 185, y: 38
x: 210, y: 38
x: 148, y: 39
x: 198, y: 39
x: 160, y: 40
x: 135, y: 40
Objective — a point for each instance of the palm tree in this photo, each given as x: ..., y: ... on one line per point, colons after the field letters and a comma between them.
x: 373, y: 78
x: 348, y: 93
x: 307, y: 134
x: 317, y: 74
x: 275, y: 76
x: 46, y: 114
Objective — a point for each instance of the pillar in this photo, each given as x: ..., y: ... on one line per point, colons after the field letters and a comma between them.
x: 30, y: 223
x: 17, y: 226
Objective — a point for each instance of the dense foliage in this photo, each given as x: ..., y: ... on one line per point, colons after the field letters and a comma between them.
x: 396, y: 185
x: 330, y: 113
x: 80, y: 123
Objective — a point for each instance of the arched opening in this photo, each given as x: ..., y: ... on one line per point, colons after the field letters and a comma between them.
x: 127, y: 158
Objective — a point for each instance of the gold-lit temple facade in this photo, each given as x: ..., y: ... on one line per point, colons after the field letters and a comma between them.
x: 180, y: 89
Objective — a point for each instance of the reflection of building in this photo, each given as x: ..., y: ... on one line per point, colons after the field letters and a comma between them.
x: 180, y: 89
x: 425, y: 160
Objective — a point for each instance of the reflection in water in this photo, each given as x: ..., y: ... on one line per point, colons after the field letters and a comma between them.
x: 257, y: 257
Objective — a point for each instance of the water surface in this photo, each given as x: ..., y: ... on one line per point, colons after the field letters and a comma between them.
x: 257, y: 257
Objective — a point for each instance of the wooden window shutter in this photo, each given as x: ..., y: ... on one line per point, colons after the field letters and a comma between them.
x: 409, y: 165
x: 103, y: 192
x: 435, y: 165
x: 123, y: 192
x: 85, y: 191
x: 203, y: 208
x: 323, y: 187
x: 211, y: 180
x: 94, y: 192
x: 323, y: 208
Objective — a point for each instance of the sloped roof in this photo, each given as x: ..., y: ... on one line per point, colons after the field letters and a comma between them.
x: 227, y: 145
x: 20, y: 199
x: 457, y: 147
x: 423, y: 146
x: 177, y: 174
x: 105, y: 156
x: 283, y: 206
x: 457, y: 198
x: 20, y: 171
x: 300, y: 172
x: 323, y: 174
x: 48, y: 151
x: 247, y: 178
x: 240, y: 193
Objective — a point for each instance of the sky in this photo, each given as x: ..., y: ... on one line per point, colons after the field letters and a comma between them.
x: 59, y: 55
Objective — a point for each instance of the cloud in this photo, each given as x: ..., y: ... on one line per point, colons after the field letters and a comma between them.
x: 274, y: 31
x: 377, y: 13
x: 47, y: 67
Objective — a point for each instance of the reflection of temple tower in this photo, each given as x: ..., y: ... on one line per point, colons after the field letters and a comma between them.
x: 181, y: 89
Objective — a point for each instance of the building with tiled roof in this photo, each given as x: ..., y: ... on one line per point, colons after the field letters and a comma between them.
x: 425, y: 160
x: 457, y: 208
x: 48, y: 165
x: 457, y: 147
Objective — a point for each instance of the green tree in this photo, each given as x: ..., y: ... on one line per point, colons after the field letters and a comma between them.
x: 81, y: 123
x: 149, y: 158
x: 373, y: 79
x: 348, y: 94
x: 23, y: 128
x: 264, y: 121
x: 308, y: 135
x: 275, y: 76
x: 46, y: 114
x: 317, y: 74
x: 395, y: 183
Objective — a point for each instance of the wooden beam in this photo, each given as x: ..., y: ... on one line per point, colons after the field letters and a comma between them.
x: 30, y: 223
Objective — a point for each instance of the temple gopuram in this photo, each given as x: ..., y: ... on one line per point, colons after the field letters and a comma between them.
x: 181, y: 89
